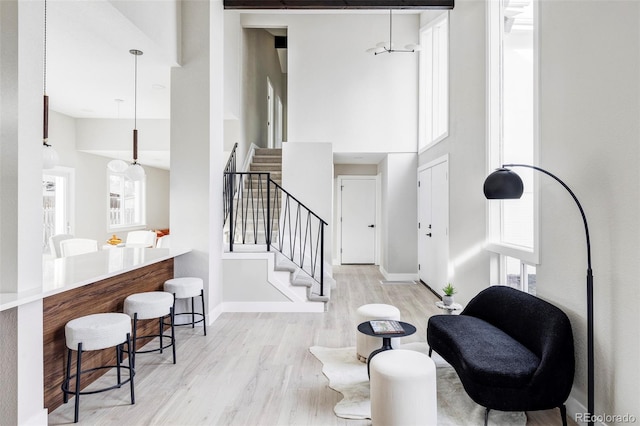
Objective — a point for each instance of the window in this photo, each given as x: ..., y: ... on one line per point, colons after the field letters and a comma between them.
x: 57, y: 203
x: 127, y: 200
x: 517, y: 274
x: 512, y: 122
x: 434, y: 82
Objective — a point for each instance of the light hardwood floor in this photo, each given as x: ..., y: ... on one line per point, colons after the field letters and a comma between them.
x: 256, y: 368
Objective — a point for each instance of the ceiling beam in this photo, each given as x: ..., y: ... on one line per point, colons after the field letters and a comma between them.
x: 338, y: 4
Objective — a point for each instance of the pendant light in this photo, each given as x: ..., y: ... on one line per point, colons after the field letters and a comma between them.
x: 135, y: 171
x: 49, y: 155
x: 388, y: 47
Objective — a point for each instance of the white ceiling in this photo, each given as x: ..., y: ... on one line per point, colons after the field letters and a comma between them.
x: 88, y: 61
x: 90, y: 72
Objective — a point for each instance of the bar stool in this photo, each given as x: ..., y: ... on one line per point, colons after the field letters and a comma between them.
x: 150, y: 305
x: 91, y: 333
x: 184, y: 288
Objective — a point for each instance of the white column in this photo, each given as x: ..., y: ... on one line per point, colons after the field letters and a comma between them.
x: 197, y: 146
x: 21, y: 53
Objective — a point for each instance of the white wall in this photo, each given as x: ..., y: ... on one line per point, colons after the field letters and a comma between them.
x: 339, y: 93
x: 307, y: 174
x: 66, y: 133
x: 589, y: 110
x: 466, y: 148
x: 399, y: 259
x: 590, y: 105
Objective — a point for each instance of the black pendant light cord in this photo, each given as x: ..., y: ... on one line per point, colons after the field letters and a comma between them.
x: 45, y: 115
x: 135, y: 53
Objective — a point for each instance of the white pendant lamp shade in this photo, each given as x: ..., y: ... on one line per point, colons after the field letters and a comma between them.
x: 117, y: 166
x: 50, y: 157
x: 135, y: 171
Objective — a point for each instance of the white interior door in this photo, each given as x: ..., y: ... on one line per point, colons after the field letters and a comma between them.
x: 270, y: 120
x: 358, y: 221
x: 433, y: 231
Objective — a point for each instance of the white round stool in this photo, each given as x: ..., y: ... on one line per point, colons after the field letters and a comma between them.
x: 185, y: 288
x: 367, y: 344
x: 151, y: 305
x: 403, y: 389
x: 91, y: 333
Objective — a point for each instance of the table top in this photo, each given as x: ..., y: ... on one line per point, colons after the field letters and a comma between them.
x: 365, y: 328
x: 451, y: 307
x: 66, y: 273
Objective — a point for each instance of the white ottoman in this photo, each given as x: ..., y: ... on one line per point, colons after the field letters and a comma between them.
x: 403, y: 389
x: 367, y: 344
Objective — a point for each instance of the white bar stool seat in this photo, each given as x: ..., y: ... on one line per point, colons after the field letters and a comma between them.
x: 403, y: 389
x: 151, y: 305
x: 188, y: 288
x: 91, y: 333
x: 373, y: 311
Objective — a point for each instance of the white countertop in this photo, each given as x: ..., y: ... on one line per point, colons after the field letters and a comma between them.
x: 63, y: 274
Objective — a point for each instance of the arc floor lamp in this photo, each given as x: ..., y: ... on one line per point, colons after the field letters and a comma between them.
x: 505, y: 184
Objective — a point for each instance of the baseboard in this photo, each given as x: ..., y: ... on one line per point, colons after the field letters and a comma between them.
x: 397, y: 277
x: 305, y: 307
x: 577, y: 412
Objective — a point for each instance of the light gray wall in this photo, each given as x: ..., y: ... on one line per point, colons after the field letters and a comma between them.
x: 399, y: 216
x: 590, y: 133
x: 466, y: 148
x: 355, y: 169
x: 260, y: 60
x: 246, y: 281
x: 589, y: 136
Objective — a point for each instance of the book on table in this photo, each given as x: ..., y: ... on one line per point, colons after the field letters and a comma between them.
x: 386, y: 327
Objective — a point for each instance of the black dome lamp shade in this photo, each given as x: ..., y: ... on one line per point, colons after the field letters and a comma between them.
x: 503, y: 184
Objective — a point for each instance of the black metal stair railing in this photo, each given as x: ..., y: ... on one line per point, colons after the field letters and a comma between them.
x: 258, y: 211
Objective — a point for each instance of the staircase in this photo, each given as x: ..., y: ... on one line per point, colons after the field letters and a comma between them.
x: 268, y: 160
x: 259, y: 203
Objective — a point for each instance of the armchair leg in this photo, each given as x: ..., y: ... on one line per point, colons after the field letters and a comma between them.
x: 486, y: 416
x: 563, y: 414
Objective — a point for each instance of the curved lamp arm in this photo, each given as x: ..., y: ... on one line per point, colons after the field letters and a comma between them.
x: 590, y: 334
x: 584, y: 217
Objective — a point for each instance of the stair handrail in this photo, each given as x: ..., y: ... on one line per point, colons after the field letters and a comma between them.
x: 229, y: 169
x: 233, y: 193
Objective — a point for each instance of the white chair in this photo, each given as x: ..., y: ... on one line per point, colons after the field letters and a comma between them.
x: 75, y: 246
x: 164, y: 241
x: 54, y: 243
x: 141, y: 239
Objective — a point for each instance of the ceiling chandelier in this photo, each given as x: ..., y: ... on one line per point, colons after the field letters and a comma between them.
x: 388, y: 47
x: 135, y: 171
x: 49, y: 155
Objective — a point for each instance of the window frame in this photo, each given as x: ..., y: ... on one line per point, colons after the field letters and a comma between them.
x: 141, y: 204
x: 431, y: 109
x: 494, y: 137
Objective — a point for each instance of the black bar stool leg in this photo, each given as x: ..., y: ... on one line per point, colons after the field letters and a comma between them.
x: 160, y: 332
x: 135, y: 333
x: 193, y: 313
x: 204, y: 318
x: 173, y: 333
x: 78, y: 371
x: 68, y: 377
x: 132, y: 371
x: 118, y: 360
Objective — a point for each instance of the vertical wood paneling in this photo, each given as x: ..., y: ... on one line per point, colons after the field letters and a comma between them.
x: 103, y: 296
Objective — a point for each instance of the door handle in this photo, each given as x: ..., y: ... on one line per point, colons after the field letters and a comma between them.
x: 428, y: 235
x: 371, y: 226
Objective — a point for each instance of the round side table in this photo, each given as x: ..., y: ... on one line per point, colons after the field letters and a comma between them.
x: 449, y: 309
